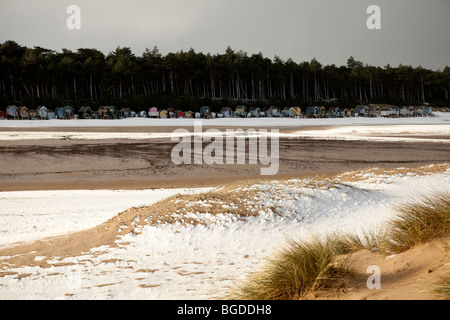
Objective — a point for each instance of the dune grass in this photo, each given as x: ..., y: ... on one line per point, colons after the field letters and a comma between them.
x: 304, y: 267
x: 443, y: 288
x: 442, y: 285
x: 300, y: 268
x: 417, y: 222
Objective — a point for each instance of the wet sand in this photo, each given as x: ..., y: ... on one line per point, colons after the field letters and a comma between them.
x: 146, y: 164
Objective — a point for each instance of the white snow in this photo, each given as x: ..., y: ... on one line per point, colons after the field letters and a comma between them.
x: 175, y: 261
x: 439, y: 118
x: 33, y: 215
x: 378, y: 129
x: 398, y: 133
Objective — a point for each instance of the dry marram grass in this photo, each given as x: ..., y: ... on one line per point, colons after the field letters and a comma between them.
x: 304, y: 267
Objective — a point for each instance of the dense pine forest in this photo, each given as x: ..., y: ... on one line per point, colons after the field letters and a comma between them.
x: 187, y: 80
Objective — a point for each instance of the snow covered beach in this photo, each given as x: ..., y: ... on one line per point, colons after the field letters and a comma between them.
x: 198, y: 255
x: 202, y: 261
x: 377, y: 129
x: 439, y: 118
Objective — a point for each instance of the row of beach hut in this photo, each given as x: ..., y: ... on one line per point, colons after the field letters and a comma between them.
x: 68, y: 112
x: 41, y: 113
x: 111, y: 112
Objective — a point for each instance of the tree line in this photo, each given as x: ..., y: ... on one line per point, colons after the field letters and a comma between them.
x: 189, y: 79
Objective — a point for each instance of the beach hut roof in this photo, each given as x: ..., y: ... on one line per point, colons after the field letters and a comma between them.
x: 11, y: 110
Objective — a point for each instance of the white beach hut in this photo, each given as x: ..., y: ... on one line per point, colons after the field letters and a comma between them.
x: 42, y: 112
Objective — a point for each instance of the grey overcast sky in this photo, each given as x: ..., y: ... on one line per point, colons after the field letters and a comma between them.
x: 413, y: 32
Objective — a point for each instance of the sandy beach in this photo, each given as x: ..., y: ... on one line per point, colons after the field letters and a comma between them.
x: 118, y: 163
x: 81, y: 214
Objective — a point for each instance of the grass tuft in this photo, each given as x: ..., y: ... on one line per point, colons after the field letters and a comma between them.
x: 417, y: 222
x: 297, y: 270
x: 443, y: 288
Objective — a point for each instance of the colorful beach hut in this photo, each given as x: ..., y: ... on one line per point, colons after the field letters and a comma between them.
x: 42, y: 112
x: 275, y: 111
x: 51, y: 114
x: 60, y: 113
x: 287, y: 112
x: 153, y: 113
x: 125, y: 112
x: 142, y: 114
x: 312, y: 112
x: 227, y: 112
x: 23, y: 113
x: 240, y: 112
x: 205, y: 112
x: 163, y: 114
x: 189, y: 115
x: 255, y: 112
x: 322, y: 112
x: 33, y: 114
x: 85, y: 113
x: 12, y: 112
x: 297, y: 112
x: 70, y: 112
x: 107, y: 112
